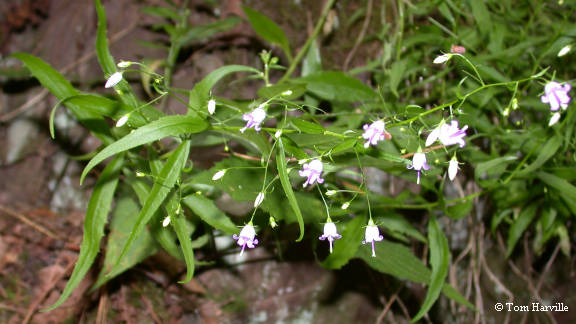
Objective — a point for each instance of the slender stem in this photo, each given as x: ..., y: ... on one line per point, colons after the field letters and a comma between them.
x: 309, y: 41
x: 328, y: 219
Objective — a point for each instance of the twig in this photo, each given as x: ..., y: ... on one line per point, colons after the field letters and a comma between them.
x: 12, y: 309
x: 547, y: 267
x: 360, y: 36
x: 150, y: 309
x: 102, y: 307
x: 38, y: 97
x: 32, y: 308
x: 388, y: 305
x: 426, y: 150
x: 31, y: 223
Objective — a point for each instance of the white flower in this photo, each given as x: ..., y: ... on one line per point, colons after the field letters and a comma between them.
x: 113, y: 80
x: 448, y: 134
x: 554, y: 119
x: 124, y: 64
x: 374, y: 133
x: 372, y: 235
x: 122, y: 120
x: 556, y: 95
x: 247, y: 237
x: 565, y: 50
x: 211, y: 106
x: 218, y: 175
x: 278, y: 134
x: 345, y: 205
x: 166, y: 221
x: 442, y: 58
x: 254, y: 119
x: 313, y: 171
x: 419, y: 163
x: 259, y: 199
x: 452, y: 168
x: 330, y: 233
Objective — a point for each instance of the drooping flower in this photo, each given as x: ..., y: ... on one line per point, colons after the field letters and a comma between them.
x: 554, y: 119
x: 374, y: 132
x: 312, y: 171
x: 448, y: 134
x: 211, y: 106
x: 419, y: 163
x: 113, y: 80
x: 122, y: 121
x: 453, y: 168
x: 556, y: 95
x: 564, y: 50
x: 254, y: 119
x: 442, y: 58
x: 218, y: 175
x: 372, y: 235
x: 259, y: 199
x: 330, y: 233
x: 247, y: 237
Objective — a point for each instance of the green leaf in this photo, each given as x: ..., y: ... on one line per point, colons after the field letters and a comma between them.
x: 208, y: 30
x: 566, y: 190
x: 492, y: 169
x: 287, y: 91
x: 396, y: 74
x: 62, y: 89
x: 440, y: 261
x: 344, y: 146
x: 346, y: 247
x: 481, y: 16
x: 307, y: 127
x: 162, y: 12
x: 338, y: 86
x: 397, y: 260
x: 125, y: 215
x: 156, y: 130
x: 287, y: 186
x: 200, y: 94
x: 96, y: 217
x: 397, y: 223
x: 107, y: 61
x: 167, y: 178
x: 313, y: 61
x: 208, y: 212
x: 268, y: 29
x: 519, y: 226
x: 547, y: 151
x: 185, y: 238
x: 460, y: 210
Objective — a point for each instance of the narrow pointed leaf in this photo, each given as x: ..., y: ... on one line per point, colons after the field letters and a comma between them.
x: 524, y: 219
x: 208, y: 212
x: 156, y: 130
x: 168, y: 176
x: 96, y: 217
x: 564, y: 188
x: 440, y: 261
x: 268, y: 29
x: 287, y: 186
x: 185, y: 238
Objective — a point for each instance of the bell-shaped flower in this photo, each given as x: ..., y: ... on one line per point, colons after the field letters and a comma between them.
x: 247, y: 237
x: 556, y: 95
x: 452, y: 168
x: 254, y: 119
x: 312, y: 171
x: 330, y: 233
x: 113, y: 80
x: 419, y: 163
x: 442, y: 58
x: 448, y: 134
x: 374, y: 133
x: 372, y: 235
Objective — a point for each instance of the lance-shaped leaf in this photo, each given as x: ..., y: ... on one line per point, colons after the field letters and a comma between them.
x: 439, y: 260
x: 168, y: 176
x: 200, y: 94
x: 96, y: 217
x: 158, y: 129
x: 268, y: 29
x: 62, y: 89
x: 287, y: 186
x: 185, y: 239
x: 208, y: 212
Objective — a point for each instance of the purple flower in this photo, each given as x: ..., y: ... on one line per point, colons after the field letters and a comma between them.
x: 556, y: 95
x: 313, y: 171
x: 247, y: 237
x: 254, y: 119
x: 448, y: 134
x: 330, y: 233
x: 372, y: 235
x: 374, y: 132
x: 419, y: 163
